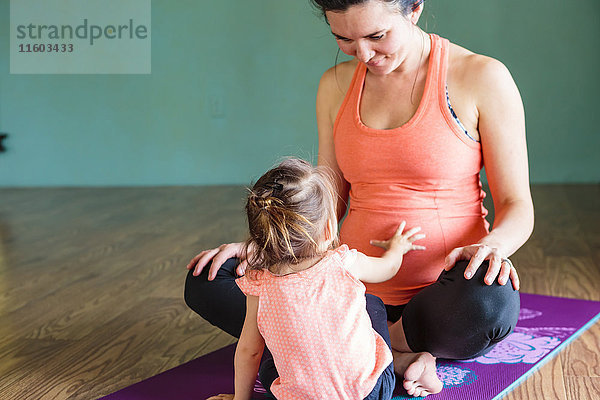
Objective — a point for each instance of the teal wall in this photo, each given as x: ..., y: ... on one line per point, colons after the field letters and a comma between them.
x: 233, y: 85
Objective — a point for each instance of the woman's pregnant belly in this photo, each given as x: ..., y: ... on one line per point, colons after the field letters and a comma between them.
x: 420, y: 268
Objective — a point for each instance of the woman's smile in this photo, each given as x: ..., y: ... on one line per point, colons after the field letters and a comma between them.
x: 375, y: 36
x: 376, y: 62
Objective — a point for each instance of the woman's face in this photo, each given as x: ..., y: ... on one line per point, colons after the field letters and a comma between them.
x: 374, y: 33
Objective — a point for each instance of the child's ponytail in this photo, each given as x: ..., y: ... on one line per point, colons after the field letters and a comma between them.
x: 288, y: 209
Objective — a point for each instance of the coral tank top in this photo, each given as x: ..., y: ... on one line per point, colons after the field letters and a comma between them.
x: 425, y: 172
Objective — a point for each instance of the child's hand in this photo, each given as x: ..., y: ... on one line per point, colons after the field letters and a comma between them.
x: 221, y: 397
x: 401, y: 242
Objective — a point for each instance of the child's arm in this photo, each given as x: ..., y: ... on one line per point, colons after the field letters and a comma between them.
x: 380, y: 269
x: 248, y: 352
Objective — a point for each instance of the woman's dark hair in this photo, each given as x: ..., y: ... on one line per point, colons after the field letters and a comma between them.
x: 288, y: 210
x: 404, y: 6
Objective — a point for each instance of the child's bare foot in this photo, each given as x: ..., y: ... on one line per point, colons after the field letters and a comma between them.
x: 419, y: 374
x: 221, y: 397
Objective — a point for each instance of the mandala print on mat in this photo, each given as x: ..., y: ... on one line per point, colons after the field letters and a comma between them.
x: 519, y: 347
x: 451, y: 376
x: 526, y: 313
x: 555, y: 331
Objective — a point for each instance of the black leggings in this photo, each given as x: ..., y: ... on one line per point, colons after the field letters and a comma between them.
x: 456, y: 318
x: 453, y: 318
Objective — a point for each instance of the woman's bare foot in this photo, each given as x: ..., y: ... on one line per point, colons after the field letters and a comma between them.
x: 419, y: 374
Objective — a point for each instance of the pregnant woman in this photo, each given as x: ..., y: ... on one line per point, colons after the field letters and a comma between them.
x: 407, y: 125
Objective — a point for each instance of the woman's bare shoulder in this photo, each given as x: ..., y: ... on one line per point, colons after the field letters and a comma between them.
x: 332, y: 89
x: 336, y: 80
x: 476, y: 71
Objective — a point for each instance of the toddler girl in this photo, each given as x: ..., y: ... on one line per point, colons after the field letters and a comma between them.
x: 305, y: 299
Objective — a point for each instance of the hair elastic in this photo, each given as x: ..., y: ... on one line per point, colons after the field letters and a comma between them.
x: 417, y: 4
x: 274, y: 186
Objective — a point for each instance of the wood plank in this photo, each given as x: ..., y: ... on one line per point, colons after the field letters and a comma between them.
x: 581, y: 357
x: 583, y: 388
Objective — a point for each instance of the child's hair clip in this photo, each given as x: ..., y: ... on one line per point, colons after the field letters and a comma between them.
x: 274, y: 186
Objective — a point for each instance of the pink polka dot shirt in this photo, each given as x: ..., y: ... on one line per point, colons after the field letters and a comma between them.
x: 316, y: 325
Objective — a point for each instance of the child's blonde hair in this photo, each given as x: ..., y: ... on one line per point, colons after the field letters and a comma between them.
x: 288, y: 210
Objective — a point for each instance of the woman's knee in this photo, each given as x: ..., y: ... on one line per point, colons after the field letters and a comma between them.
x: 198, y: 287
x: 491, y: 305
x: 219, y: 301
x: 472, y: 297
x: 459, y: 318
x: 192, y: 292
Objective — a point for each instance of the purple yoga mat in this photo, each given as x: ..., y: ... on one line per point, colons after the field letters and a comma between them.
x: 546, y: 324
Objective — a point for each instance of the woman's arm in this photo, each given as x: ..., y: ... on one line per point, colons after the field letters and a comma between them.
x: 501, y: 125
x: 329, y: 99
x: 380, y: 269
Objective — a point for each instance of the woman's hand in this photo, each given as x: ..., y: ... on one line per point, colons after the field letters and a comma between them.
x: 218, y: 256
x: 499, y: 267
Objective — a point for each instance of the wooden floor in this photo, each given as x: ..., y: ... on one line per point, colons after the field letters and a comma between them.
x: 91, y: 284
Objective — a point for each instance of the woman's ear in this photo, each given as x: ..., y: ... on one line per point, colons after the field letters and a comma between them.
x: 416, y: 14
